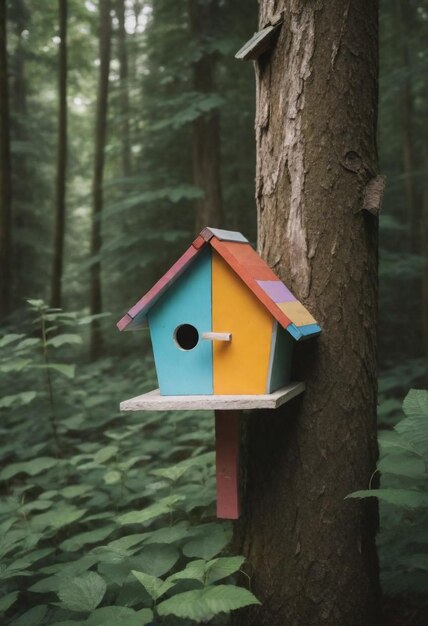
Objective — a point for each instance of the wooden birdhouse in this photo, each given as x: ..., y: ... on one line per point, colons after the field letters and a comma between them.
x: 221, y: 322
x: 222, y: 327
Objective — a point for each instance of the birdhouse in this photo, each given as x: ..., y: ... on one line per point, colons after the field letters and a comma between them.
x: 222, y: 327
x: 221, y: 322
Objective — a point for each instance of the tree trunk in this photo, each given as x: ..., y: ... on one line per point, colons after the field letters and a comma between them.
x: 61, y: 173
x: 5, y: 174
x: 311, y: 553
x: 22, y: 197
x: 206, y: 128
x: 403, y: 9
x: 424, y: 221
x: 98, y: 174
x: 124, y: 93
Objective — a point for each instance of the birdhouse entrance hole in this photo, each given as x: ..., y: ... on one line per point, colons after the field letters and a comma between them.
x: 186, y: 336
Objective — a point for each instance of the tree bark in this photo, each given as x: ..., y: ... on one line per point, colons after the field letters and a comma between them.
x: 61, y: 173
x: 206, y: 128
x: 311, y: 553
x: 124, y: 93
x: 5, y: 174
x: 98, y: 175
x: 403, y: 9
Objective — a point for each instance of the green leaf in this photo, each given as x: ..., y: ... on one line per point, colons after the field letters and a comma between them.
x: 33, y: 467
x: 222, y: 567
x: 83, y: 593
x: 169, y: 534
x: 203, y: 604
x: 104, y: 454
x: 402, y: 465
x: 11, y: 338
x: 33, y: 617
x: 18, y: 399
x: 408, y: 498
x: 57, y: 518
x: 157, y: 559
x: 195, y: 570
x: 83, y: 539
x: 75, y: 491
x: 66, y: 370
x: 88, y: 319
x: 112, y: 478
x: 120, y: 615
x: 37, y: 304
x: 64, y: 339
x: 154, y: 586
x: 211, y: 540
x: 14, y: 365
x: 164, y: 506
x: 8, y: 600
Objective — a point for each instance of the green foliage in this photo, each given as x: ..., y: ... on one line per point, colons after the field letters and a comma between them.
x: 106, y: 517
x: 403, y: 498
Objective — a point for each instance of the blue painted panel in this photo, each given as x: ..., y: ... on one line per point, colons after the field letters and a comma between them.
x: 294, y: 332
x: 279, y: 370
x: 187, y: 301
x: 310, y: 330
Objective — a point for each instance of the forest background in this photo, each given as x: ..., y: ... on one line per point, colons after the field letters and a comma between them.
x: 125, y: 127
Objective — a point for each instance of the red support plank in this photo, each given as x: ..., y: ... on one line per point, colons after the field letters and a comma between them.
x: 227, y: 440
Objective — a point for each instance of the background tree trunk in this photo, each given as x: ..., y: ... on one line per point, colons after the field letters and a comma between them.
x: 311, y: 553
x: 124, y: 93
x: 97, y: 184
x: 5, y: 174
x: 206, y: 128
x: 424, y: 240
x: 61, y: 173
x: 403, y: 14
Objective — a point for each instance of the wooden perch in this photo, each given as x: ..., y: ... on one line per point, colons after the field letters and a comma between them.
x: 217, y: 336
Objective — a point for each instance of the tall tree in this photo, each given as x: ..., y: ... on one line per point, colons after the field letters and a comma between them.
x: 98, y: 174
x: 61, y: 172
x: 5, y: 173
x: 312, y: 556
x: 124, y: 91
x: 403, y: 25
x: 204, y: 18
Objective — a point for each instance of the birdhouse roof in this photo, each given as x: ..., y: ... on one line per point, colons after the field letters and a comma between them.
x: 241, y: 257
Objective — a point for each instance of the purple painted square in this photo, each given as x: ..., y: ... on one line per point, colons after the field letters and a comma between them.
x: 276, y: 290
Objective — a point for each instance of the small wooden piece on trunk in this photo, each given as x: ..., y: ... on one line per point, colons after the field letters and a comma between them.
x: 260, y: 42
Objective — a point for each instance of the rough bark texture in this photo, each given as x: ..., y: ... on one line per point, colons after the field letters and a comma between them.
x: 124, y: 94
x: 97, y: 184
x: 61, y: 172
x: 5, y: 174
x: 206, y: 128
x: 311, y: 553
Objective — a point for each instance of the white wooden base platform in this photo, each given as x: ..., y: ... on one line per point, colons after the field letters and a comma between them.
x: 153, y: 401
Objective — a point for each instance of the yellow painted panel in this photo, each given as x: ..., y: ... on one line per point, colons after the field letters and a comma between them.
x: 297, y: 313
x: 241, y: 365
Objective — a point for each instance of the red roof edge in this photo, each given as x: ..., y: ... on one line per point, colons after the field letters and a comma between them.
x: 162, y: 284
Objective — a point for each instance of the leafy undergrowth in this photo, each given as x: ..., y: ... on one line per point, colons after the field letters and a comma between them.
x: 104, y: 517
x: 403, y: 500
